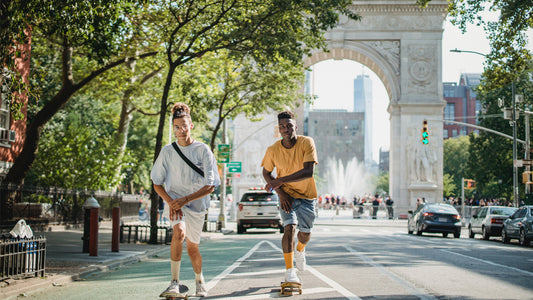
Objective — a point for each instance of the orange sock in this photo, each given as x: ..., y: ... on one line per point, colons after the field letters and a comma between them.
x: 289, y: 257
x: 300, y: 247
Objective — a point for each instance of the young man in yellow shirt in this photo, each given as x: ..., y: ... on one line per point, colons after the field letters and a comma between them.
x: 294, y: 158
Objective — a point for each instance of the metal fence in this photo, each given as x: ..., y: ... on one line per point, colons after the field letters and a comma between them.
x: 22, y: 257
x: 141, y: 234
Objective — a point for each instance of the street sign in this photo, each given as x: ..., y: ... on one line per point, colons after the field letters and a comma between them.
x: 224, y: 151
x: 235, y: 167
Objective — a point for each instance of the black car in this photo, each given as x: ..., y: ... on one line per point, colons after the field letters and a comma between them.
x: 519, y: 226
x: 435, y: 218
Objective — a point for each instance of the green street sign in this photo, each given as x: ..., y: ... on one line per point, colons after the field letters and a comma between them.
x: 235, y: 167
x: 224, y: 151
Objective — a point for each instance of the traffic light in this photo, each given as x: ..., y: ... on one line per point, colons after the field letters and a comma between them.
x: 425, y: 133
x: 470, y: 184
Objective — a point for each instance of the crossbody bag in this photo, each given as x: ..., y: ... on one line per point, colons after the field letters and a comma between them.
x: 190, y: 163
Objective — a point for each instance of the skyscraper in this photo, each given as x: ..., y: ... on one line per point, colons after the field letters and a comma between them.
x: 362, y: 102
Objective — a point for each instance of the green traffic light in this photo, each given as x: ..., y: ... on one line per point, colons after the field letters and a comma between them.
x: 425, y: 135
x: 425, y: 141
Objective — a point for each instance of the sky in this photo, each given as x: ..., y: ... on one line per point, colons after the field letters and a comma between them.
x: 333, y: 79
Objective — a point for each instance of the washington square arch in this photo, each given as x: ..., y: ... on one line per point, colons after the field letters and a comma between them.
x: 402, y: 43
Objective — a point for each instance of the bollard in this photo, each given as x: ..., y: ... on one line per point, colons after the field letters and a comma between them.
x: 88, y: 225
x: 93, y: 236
x: 115, y: 234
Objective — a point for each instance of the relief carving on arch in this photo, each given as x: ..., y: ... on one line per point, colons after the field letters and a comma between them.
x: 390, y: 50
x: 422, y: 159
x: 421, y: 69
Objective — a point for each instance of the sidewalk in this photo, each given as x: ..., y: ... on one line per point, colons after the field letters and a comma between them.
x: 65, y: 261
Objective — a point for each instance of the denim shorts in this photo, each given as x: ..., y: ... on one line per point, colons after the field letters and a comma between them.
x: 302, y: 213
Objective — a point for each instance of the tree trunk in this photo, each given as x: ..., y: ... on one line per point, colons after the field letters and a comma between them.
x: 158, y: 145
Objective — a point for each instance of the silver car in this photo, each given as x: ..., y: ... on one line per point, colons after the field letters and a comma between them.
x: 258, y: 209
x: 488, y: 221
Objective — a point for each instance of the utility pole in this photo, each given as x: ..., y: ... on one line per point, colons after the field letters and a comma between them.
x: 221, y: 215
x: 516, y: 193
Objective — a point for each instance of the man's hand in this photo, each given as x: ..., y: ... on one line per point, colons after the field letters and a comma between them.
x: 177, y: 204
x: 273, y: 184
x: 285, y: 201
x: 175, y: 214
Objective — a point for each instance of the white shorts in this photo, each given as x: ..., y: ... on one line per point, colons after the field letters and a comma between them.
x: 194, y: 223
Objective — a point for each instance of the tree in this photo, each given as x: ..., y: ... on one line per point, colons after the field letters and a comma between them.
x: 266, y: 30
x: 455, y: 161
x: 232, y: 85
x: 94, y: 30
x: 449, y: 189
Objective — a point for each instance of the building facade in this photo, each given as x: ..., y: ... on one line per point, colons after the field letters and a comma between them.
x: 362, y: 103
x: 461, y: 105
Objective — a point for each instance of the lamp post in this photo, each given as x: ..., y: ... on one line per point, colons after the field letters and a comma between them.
x: 513, y: 123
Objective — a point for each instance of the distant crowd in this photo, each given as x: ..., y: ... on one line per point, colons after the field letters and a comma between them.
x: 478, y: 202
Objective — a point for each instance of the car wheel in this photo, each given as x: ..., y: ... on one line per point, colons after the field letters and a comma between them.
x: 471, y: 234
x: 457, y: 234
x: 418, y: 229
x: 444, y: 234
x: 240, y: 229
x: 484, y: 233
x: 409, y: 231
x: 524, y: 241
x: 505, y: 238
x: 281, y: 229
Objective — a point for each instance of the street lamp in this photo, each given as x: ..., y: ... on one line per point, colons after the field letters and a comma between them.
x: 513, y: 123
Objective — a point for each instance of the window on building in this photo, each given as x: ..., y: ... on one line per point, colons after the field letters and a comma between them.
x: 4, y: 115
x: 454, y: 132
x: 445, y: 133
x: 449, y: 111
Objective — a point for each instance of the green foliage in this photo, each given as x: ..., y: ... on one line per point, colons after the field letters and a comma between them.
x: 449, y: 188
x: 455, y: 161
x: 76, y: 150
x: 382, y: 183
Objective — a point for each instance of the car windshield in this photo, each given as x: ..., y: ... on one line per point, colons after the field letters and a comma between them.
x: 502, y: 211
x: 441, y: 209
x: 254, y: 197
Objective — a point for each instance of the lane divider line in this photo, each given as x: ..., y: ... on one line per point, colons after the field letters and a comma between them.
x: 337, y: 287
x: 407, y: 285
x: 276, y: 294
x: 489, y: 262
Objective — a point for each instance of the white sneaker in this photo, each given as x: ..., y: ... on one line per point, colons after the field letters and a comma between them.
x: 201, y: 291
x: 299, y: 260
x: 291, y: 276
x: 173, y: 290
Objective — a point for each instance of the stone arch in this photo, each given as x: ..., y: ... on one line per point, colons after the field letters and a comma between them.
x: 368, y: 56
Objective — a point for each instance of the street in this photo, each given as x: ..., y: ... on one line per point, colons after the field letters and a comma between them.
x: 345, y: 261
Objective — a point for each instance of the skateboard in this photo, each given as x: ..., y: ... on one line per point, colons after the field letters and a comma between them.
x: 182, y: 295
x: 288, y: 288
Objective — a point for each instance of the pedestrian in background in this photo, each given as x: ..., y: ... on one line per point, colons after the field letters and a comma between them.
x: 294, y: 158
x: 390, y: 210
x: 375, y: 206
x: 184, y: 174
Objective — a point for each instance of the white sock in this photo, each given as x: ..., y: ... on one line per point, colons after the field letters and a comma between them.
x: 175, y: 269
x: 199, y: 277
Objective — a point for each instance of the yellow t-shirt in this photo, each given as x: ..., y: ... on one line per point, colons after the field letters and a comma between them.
x: 289, y: 161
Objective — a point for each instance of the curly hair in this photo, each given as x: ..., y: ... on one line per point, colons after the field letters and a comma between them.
x: 180, y: 110
x: 286, y: 115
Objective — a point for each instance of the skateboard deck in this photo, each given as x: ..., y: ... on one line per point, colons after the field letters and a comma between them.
x: 289, y: 288
x: 182, y: 295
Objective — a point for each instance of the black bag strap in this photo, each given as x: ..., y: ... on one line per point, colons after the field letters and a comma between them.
x: 193, y: 166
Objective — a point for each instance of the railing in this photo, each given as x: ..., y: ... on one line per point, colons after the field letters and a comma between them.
x: 22, y: 257
x: 141, y: 234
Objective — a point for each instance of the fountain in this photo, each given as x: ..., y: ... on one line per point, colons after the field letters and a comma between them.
x: 348, y: 182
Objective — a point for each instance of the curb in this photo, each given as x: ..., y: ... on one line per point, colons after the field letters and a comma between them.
x: 35, y: 284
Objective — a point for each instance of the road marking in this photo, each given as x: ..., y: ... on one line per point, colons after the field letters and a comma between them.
x: 258, y: 273
x: 407, y: 285
x: 337, y: 287
x: 489, y: 262
x: 276, y: 294
x: 264, y: 259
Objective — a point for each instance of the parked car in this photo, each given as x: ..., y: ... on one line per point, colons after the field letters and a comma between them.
x: 519, y: 226
x: 435, y: 218
x: 488, y: 221
x: 258, y: 209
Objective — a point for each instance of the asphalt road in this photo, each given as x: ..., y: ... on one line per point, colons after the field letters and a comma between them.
x: 345, y: 262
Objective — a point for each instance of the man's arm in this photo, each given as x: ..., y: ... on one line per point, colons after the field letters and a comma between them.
x: 284, y: 198
x: 177, y: 204
x: 304, y: 173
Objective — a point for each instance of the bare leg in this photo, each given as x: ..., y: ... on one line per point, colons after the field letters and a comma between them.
x: 196, y: 258
x: 304, y: 237
x: 287, y: 242
x: 176, y: 245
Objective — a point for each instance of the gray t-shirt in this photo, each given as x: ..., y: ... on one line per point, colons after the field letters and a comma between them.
x: 180, y: 179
